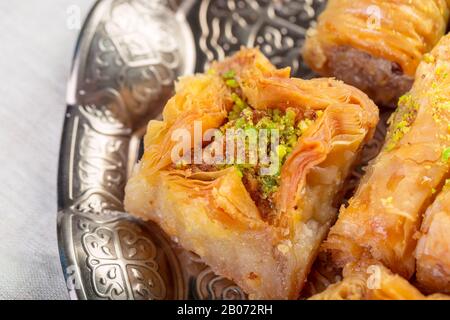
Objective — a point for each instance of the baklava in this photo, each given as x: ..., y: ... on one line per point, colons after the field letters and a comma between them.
x: 260, y: 228
x: 375, y: 45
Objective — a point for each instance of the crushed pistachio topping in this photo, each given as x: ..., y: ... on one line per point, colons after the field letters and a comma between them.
x: 400, y: 121
x: 438, y: 96
x: 446, y: 155
x: 230, y: 74
x: 447, y: 184
x: 441, y: 73
x: 232, y: 83
x: 230, y: 79
x: 441, y: 107
x: 242, y: 116
x: 289, y: 124
x: 428, y: 58
x: 238, y: 106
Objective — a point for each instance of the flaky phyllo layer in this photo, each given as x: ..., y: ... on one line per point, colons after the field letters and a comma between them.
x: 401, y: 31
x: 262, y: 232
x: 383, y: 218
x: 433, y: 247
x: 370, y: 280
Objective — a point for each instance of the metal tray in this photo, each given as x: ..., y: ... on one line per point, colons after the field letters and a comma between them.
x: 127, y: 57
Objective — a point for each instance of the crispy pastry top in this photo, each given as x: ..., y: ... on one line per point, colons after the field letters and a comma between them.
x: 400, y: 31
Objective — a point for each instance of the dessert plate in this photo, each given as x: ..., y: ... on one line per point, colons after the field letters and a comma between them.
x: 127, y: 58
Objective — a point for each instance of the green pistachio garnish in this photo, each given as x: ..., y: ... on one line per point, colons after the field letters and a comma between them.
x: 400, y: 121
x: 244, y: 117
x: 232, y: 83
x: 446, y: 155
x: 230, y: 74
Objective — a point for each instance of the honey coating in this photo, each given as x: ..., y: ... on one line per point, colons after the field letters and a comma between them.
x: 212, y: 211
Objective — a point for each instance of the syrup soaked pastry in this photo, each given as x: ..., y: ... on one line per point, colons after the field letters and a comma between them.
x: 433, y: 248
x: 375, y: 45
x: 384, y: 216
x: 368, y: 280
x: 261, y: 230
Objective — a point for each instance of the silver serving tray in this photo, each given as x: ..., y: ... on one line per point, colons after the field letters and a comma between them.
x: 127, y: 57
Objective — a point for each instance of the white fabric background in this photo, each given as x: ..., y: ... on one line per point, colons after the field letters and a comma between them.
x: 36, y: 48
